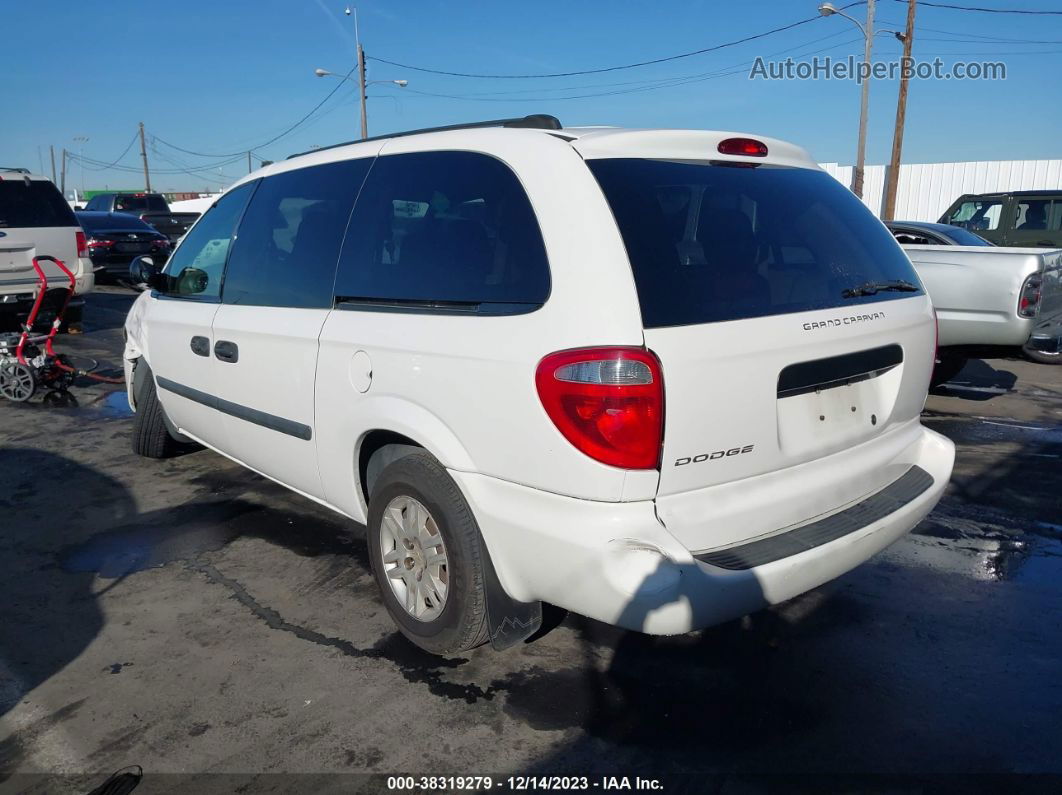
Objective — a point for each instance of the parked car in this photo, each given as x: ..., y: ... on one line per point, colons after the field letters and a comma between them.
x: 660, y: 378
x: 923, y: 233
x: 151, y: 208
x: 990, y: 301
x: 36, y: 220
x: 1019, y: 218
x: 113, y: 239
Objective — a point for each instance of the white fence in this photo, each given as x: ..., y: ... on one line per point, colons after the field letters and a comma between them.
x: 926, y: 190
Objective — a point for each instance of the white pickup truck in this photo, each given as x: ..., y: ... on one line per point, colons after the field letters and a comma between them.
x: 989, y: 300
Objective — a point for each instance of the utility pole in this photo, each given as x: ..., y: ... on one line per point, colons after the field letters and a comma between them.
x: 901, y: 114
x: 361, y: 92
x: 81, y: 140
x: 248, y: 162
x: 143, y: 154
x: 62, y: 177
x: 51, y: 149
x: 361, y: 74
x: 864, y: 104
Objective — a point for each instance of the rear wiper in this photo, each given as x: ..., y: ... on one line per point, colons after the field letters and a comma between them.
x: 872, y: 288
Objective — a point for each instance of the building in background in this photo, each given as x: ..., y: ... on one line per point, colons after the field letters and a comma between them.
x: 926, y: 190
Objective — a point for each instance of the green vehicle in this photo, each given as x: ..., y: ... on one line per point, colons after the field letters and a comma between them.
x: 1022, y: 218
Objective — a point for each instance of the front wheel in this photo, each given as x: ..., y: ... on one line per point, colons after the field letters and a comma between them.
x: 425, y: 555
x: 151, y: 430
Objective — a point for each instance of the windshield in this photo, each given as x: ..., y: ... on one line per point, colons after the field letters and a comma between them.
x: 710, y: 243
x: 33, y: 203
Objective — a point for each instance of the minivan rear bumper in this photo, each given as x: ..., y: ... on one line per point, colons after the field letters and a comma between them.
x: 617, y: 563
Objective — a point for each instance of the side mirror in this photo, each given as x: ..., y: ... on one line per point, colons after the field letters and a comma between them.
x: 143, y: 270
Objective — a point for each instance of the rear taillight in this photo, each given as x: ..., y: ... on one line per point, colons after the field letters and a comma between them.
x: 1029, y: 297
x: 79, y: 240
x: 608, y: 402
x: 94, y: 244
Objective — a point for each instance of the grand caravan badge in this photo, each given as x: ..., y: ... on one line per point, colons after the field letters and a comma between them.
x: 850, y: 320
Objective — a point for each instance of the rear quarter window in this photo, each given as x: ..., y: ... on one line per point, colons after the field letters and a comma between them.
x: 444, y: 227
x: 710, y: 243
x: 33, y: 203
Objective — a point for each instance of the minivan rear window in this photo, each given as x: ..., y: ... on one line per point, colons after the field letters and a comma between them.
x: 32, y: 203
x: 710, y: 243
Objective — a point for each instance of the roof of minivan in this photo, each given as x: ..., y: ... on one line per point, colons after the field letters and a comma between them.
x: 664, y: 144
x: 589, y: 142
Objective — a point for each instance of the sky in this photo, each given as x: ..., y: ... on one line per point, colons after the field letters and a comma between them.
x: 221, y: 77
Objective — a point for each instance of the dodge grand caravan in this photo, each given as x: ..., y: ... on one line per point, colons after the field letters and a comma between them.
x: 661, y: 378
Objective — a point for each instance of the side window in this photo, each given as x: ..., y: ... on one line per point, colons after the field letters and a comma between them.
x: 196, y: 268
x: 449, y: 227
x: 288, y: 242
x: 1054, y: 223
x: 1039, y: 214
x: 909, y: 237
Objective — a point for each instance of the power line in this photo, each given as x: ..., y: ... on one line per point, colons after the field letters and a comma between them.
x: 653, y: 85
x: 222, y: 179
x: 666, y: 59
x: 118, y: 159
x: 544, y: 89
x: 983, y: 10
x: 986, y: 38
x: 275, y: 138
x: 131, y: 169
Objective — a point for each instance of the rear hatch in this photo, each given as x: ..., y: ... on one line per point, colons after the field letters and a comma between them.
x: 795, y: 340
x: 34, y: 220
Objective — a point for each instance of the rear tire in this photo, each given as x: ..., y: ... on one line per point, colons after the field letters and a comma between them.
x: 1042, y: 357
x: 151, y: 435
x: 459, y: 623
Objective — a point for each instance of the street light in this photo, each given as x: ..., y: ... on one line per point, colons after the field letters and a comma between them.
x: 361, y: 84
x: 828, y: 10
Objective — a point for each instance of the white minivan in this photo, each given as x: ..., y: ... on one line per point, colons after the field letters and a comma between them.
x: 661, y: 378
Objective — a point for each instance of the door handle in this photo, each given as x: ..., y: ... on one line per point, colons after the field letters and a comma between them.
x: 200, y: 346
x: 226, y: 351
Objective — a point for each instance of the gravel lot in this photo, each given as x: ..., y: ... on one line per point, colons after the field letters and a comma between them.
x: 191, y: 617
